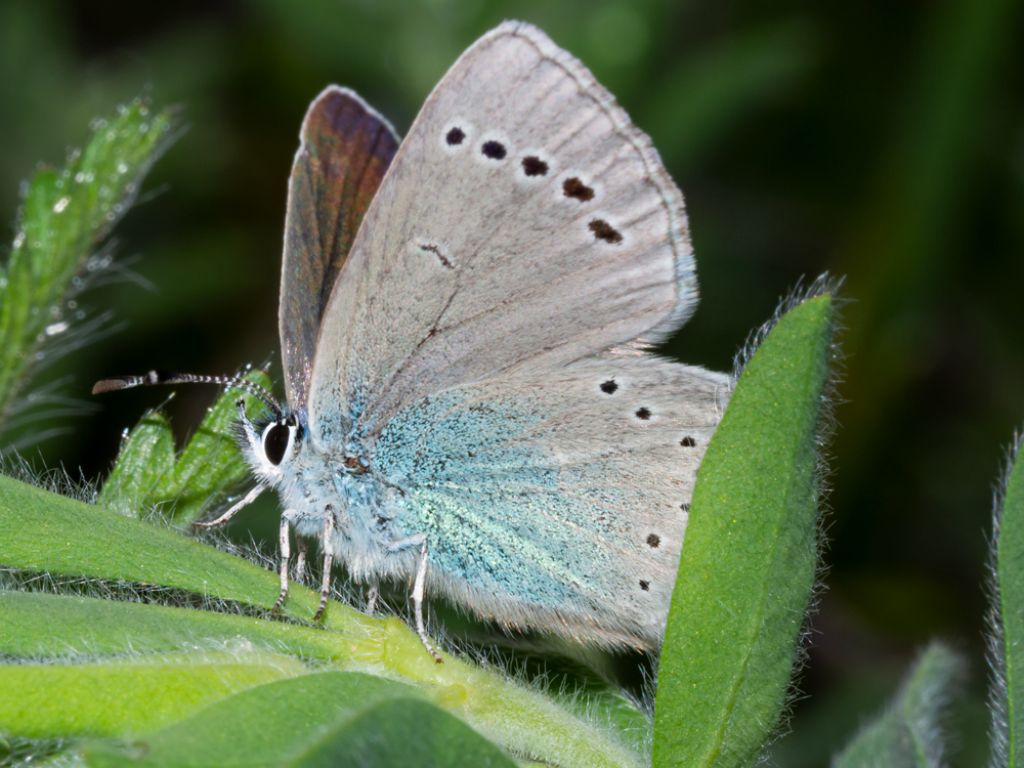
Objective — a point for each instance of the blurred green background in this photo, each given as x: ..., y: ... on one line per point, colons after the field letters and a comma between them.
x: 880, y: 141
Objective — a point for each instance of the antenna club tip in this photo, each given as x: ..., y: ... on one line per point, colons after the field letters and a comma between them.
x: 108, y: 385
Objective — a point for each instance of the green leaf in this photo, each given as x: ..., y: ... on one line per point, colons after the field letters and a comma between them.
x: 748, y: 564
x: 330, y: 718
x: 40, y: 625
x: 47, y: 533
x: 120, y: 697
x: 909, y: 732
x: 65, y: 215
x: 147, y: 474
x: 1006, y: 641
x: 145, y: 458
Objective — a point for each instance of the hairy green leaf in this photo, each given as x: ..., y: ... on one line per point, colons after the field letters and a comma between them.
x: 909, y: 734
x: 65, y: 215
x: 148, y: 475
x: 123, y: 697
x: 1006, y: 642
x: 748, y: 564
x: 325, y: 719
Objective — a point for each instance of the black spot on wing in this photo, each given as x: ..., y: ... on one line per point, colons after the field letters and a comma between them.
x: 494, y: 150
x: 534, y: 166
x: 455, y: 136
x: 604, y: 231
x: 577, y: 190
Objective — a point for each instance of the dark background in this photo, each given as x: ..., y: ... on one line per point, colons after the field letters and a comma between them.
x: 880, y: 141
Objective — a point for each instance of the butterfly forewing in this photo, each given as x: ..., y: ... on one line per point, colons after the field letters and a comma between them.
x: 346, y: 148
x: 523, y: 224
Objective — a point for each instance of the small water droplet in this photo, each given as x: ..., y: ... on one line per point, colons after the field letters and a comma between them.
x: 98, y: 123
x: 72, y: 304
x: 143, y: 127
x: 84, y: 178
x: 122, y: 168
x: 19, y: 239
x: 53, y: 329
x: 61, y: 205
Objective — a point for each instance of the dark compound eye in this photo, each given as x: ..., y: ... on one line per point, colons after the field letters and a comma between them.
x: 275, y: 442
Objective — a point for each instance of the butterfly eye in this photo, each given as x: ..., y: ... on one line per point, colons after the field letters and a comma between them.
x: 276, y: 440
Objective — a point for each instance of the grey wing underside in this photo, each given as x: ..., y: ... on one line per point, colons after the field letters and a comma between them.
x: 524, y: 223
x: 558, y: 501
x: 346, y: 149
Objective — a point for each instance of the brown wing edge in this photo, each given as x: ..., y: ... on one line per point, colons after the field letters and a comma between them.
x: 346, y: 148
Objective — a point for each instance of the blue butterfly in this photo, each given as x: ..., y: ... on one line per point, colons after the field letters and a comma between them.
x: 464, y: 321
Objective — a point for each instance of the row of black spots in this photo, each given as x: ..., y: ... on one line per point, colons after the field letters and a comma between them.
x: 495, y: 150
x: 573, y: 187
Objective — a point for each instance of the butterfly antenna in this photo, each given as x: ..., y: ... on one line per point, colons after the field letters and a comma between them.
x: 155, y: 378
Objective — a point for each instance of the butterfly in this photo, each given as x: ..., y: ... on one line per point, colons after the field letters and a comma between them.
x: 465, y: 319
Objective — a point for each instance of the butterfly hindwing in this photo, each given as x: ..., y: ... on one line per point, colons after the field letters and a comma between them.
x: 557, y: 500
x: 346, y: 149
x: 524, y: 223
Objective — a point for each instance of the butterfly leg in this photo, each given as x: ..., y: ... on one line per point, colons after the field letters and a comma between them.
x: 285, y: 554
x: 417, y: 601
x: 325, y: 545
x: 371, y: 598
x: 224, y: 519
x: 300, y: 558
x: 420, y: 539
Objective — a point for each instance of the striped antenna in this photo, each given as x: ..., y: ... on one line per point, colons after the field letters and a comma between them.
x: 155, y: 378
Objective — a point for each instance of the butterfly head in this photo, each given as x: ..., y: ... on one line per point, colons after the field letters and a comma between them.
x: 276, y: 444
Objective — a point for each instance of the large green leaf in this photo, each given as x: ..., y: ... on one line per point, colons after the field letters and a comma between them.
x: 748, y: 563
x: 324, y: 719
x: 38, y: 625
x: 120, y: 697
x: 1006, y: 642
